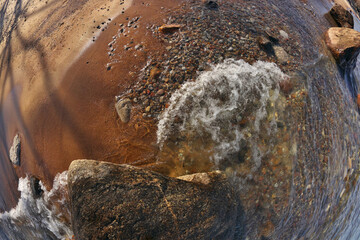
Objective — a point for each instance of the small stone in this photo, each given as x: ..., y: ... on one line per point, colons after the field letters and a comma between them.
x: 169, y: 28
x: 148, y: 109
x: 286, y: 85
x: 15, y: 150
x: 161, y: 100
x: 358, y: 100
x: 281, y: 54
x: 155, y: 73
x: 160, y: 92
x: 265, y: 44
x: 284, y: 34
x: 123, y: 108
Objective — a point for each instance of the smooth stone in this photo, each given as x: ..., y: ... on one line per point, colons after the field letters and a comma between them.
x: 123, y: 109
x: 15, y: 150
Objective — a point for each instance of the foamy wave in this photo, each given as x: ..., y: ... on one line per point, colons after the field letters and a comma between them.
x: 217, y: 101
x: 46, y: 217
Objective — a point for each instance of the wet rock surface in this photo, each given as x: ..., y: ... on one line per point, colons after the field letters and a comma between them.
x: 344, y: 44
x: 123, y: 108
x: 342, y: 17
x: 110, y: 201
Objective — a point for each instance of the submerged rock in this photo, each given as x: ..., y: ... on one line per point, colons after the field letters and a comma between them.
x: 342, y: 17
x: 123, y: 108
x: 15, y: 150
x: 344, y: 44
x: 212, y: 5
x: 281, y: 54
x: 110, y: 201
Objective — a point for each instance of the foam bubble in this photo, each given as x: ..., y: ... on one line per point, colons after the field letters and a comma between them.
x: 213, y: 105
x: 46, y: 217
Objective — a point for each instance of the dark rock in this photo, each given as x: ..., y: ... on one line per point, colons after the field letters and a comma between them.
x: 281, y: 54
x: 286, y: 86
x: 35, y: 187
x: 15, y: 150
x: 212, y: 5
x: 110, y: 201
x: 123, y: 108
x: 342, y: 17
x: 344, y: 44
x: 265, y: 44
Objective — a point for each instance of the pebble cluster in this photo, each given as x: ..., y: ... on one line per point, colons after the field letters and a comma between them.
x: 208, y: 36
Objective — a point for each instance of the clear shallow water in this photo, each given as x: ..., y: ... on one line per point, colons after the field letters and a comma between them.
x: 320, y: 160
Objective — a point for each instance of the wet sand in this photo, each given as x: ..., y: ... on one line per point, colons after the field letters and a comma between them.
x: 40, y: 41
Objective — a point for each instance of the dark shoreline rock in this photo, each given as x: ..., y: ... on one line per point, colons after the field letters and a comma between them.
x: 110, y: 201
x: 342, y: 17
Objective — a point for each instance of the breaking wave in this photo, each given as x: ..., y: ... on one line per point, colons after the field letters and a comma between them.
x: 38, y: 217
x: 214, y: 106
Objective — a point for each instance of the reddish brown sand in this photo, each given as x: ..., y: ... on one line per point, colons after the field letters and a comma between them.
x: 75, y: 118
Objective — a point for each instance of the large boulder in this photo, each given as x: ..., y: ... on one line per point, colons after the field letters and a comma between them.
x: 110, y: 201
x: 344, y: 44
x: 342, y: 17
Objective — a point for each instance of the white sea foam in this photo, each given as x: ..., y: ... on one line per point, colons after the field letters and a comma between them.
x: 217, y: 101
x: 45, y: 217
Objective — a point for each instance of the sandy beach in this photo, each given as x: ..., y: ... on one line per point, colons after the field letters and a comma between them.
x: 40, y: 41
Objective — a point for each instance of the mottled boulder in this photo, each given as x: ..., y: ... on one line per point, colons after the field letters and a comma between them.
x: 15, y: 149
x: 344, y: 44
x: 342, y: 17
x: 110, y: 201
x: 123, y: 109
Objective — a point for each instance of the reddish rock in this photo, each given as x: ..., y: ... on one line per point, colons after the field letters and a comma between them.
x: 344, y: 44
x: 169, y: 28
x: 286, y: 86
x: 358, y: 100
x: 155, y: 73
x: 342, y: 17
